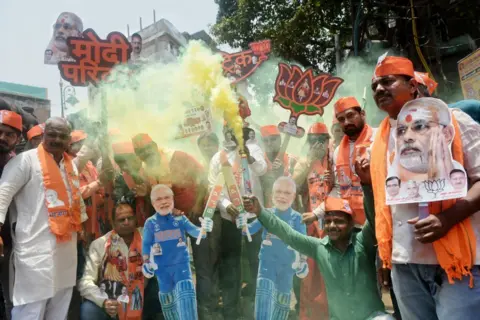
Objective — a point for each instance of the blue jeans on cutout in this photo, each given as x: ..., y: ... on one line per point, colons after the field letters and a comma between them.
x: 90, y: 311
x: 424, y: 293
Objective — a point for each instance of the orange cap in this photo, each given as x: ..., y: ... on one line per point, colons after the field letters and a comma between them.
x: 77, y: 135
x: 141, y: 140
x: 270, y: 130
x: 392, y: 66
x: 11, y: 119
x: 125, y: 147
x: 424, y: 79
x: 36, y: 131
x: 345, y: 103
x: 318, y: 128
x: 337, y: 204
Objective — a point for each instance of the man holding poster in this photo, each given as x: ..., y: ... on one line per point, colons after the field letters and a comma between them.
x: 434, y: 260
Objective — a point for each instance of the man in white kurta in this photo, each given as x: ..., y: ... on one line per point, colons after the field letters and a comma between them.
x: 45, y: 270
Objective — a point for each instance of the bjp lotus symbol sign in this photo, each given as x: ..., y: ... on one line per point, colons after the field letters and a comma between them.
x: 302, y: 92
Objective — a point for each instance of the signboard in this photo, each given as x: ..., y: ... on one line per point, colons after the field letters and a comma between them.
x: 240, y: 65
x: 423, y: 169
x: 302, y: 92
x: 197, y: 121
x: 94, y: 58
x: 469, y: 71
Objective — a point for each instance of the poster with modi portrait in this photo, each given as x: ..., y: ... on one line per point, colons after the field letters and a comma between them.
x: 67, y: 25
x: 421, y: 166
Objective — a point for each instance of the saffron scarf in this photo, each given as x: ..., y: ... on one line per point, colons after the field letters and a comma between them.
x: 127, y: 270
x: 95, y: 204
x: 63, y: 217
x: 352, y: 189
x: 456, y: 250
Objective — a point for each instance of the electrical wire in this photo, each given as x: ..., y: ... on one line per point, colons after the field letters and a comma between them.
x: 417, y: 46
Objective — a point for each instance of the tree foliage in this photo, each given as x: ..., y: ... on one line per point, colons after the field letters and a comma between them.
x: 301, y: 31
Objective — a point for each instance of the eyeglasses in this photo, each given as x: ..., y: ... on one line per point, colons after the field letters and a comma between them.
x: 66, y: 26
x: 418, y: 127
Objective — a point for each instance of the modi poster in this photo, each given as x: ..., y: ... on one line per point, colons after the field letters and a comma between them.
x: 67, y: 25
x: 469, y: 71
x: 197, y: 120
x: 422, y: 168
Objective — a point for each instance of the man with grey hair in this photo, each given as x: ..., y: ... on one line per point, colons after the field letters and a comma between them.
x: 278, y: 262
x: 166, y: 255
x: 45, y: 242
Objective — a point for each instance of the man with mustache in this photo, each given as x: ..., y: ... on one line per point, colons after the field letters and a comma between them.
x: 10, y: 136
x: 45, y: 239
x: 67, y: 25
x: 458, y: 179
x: 278, y: 263
x: 432, y: 259
x: 345, y: 258
x: 393, y: 186
x: 35, y: 136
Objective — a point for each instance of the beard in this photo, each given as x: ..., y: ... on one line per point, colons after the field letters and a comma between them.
x: 416, y: 163
x: 164, y: 212
x: 352, y: 130
x: 281, y: 206
x: 5, y: 148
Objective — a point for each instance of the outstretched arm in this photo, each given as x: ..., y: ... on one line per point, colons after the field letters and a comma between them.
x: 299, y: 242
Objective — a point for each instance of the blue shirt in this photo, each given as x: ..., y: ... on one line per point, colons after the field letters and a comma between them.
x: 166, y: 236
x: 272, y: 247
x: 470, y: 107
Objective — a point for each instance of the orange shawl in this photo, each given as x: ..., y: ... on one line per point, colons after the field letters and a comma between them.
x: 352, y: 190
x: 456, y: 250
x: 63, y: 217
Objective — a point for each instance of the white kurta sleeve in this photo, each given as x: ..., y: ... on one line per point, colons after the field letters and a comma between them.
x: 83, y: 211
x: 87, y: 285
x: 335, y: 192
x: 15, y: 175
x: 259, y: 167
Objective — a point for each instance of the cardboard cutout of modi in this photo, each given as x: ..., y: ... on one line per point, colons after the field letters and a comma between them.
x: 423, y: 169
x: 67, y: 25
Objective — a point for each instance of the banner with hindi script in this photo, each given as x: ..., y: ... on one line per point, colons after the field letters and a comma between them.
x: 67, y: 25
x: 469, y: 71
x: 94, y: 58
x: 197, y: 120
x: 240, y: 65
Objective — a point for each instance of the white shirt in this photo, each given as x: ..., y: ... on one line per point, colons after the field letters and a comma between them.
x: 257, y: 169
x: 42, y: 266
x: 405, y: 248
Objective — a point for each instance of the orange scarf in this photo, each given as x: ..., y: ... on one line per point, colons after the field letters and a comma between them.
x: 116, y: 268
x: 140, y: 209
x: 63, y: 216
x: 95, y: 204
x: 456, y: 250
x: 318, y: 188
x: 350, y: 186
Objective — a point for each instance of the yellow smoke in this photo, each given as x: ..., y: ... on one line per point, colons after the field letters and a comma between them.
x: 154, y: 100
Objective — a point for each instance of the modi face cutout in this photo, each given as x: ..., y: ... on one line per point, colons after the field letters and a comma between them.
x: 423, y: 159
x: 423, y: 138
x: 67, y: 25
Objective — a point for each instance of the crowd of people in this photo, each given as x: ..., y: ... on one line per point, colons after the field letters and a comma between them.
x: 107, y: 228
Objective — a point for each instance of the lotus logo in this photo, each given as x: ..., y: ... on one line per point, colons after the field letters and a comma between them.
x: 434, y: 186
x: 302, y: 92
